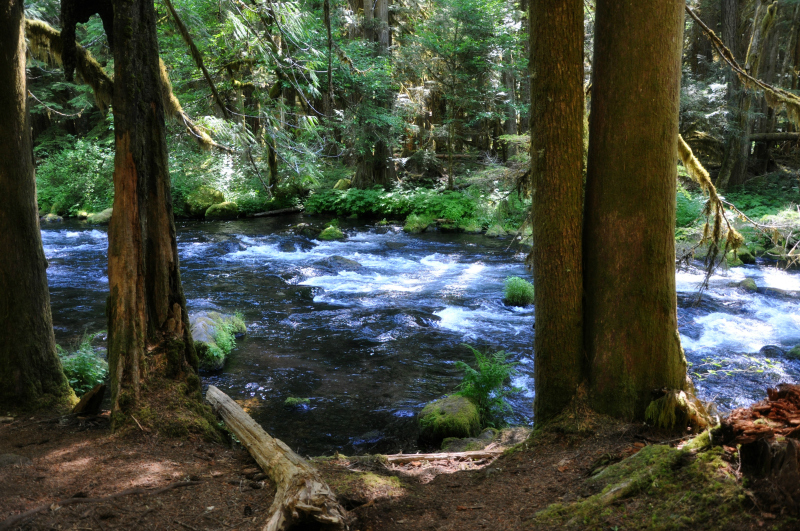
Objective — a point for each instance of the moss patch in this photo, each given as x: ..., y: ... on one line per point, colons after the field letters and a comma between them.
x: 416, y: 224
x: 452, y: 416
x: 219, y: 211
x: 215, y: 337
x: 199, y: 201
x: 658, y: 488
x: 331, y: 233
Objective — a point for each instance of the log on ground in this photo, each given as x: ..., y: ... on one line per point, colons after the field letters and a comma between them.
x: 302, y: 500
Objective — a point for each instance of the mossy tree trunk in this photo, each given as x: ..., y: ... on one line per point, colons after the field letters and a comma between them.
x: 556, y: 41
x: 630, y: 322
x: 149, y: 335
x: 30, y: 372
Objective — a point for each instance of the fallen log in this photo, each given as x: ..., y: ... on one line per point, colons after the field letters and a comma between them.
x: 773, y: 137
x: 477, y: 454
x: 302, y: 498
x: 282, y: 211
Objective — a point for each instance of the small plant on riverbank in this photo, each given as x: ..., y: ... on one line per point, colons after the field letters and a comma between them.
x: 487, y: 384
x: 518, y: 292
x: 83, y: 368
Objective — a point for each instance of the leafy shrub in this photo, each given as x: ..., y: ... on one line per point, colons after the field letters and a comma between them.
x: 486, y: 386
x: 83, y: 368
x: 518, y: 292
x: 77, y: 178
x: 416, y: 224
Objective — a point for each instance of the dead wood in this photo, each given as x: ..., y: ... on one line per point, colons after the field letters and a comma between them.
x: 280, y: 212
x: 8, y: 523
x: 302, y: 497
x: 452, y: 456
x: 90, y: 402
x: 773, y: 137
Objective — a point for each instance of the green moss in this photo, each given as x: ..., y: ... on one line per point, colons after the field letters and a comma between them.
x: 416, y: 224
x: 215, y: 337
x: 100, y: 218
x: 794, y: 354
x: 342, y: 184
x: 518, y: 292
x: 496, y: 231
x: 748, y: 284
x: 452, y: 416
x: 199, y: 201
x: 331, y: 233
x: 220, y: 211
x: 294, y: 401
x: 658, y: 488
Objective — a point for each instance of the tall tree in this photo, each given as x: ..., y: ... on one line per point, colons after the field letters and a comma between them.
x: 148, y: 333
x: 631, y: 328
x: 556, y: 30
x: 30, y: 372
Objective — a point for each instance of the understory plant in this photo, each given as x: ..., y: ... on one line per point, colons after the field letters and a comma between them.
x: 487, y: 385
x: 83, y: 368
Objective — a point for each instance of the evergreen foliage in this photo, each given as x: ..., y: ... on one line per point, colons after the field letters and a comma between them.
x: 486, y: 385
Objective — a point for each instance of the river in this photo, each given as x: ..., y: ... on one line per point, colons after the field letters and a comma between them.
x: 369, y: 347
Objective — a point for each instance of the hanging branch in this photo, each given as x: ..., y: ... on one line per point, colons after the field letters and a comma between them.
x: 775, y: 96
x: 45, y: 42
x: 197, y: 56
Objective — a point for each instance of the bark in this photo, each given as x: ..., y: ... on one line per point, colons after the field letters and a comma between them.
x: 525, y: 81
x: 30, y: 372
x: 631, y: 330
x: 302, y: 500
x: 197, y: 56
x: 148, y: 336
x: 556, y: 30
x: 700, y: 52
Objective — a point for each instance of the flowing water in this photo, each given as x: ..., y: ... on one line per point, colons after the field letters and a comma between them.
x: 369, y: 345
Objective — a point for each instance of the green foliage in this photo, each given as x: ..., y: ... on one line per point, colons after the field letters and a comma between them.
x: 518, y: 292
x: 416, y: 224
x: 689, y: 208
x: 486, y: 386
x: 77, y: 178
x: 294, y: 401
x: 83, y: 368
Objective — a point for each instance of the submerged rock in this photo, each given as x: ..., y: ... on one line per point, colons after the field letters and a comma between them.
x: 226, y: 210
x: 794, y: 354
x: 451, y: 416
x: 337, y: 264
x: 52, y: 218
x: 214, y: 337
x: 199, y: 201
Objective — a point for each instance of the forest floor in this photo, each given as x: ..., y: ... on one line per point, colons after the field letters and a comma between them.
x: 194, y: 485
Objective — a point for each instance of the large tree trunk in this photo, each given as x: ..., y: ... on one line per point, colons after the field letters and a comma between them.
x: 148, y: 332
x: 525, y: 81
x: 629, y: 250
x: 557, y: 190
x: 30, y: 372
x: 302, y: 500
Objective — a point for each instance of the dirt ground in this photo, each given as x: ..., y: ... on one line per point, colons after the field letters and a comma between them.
x: 194, y: 485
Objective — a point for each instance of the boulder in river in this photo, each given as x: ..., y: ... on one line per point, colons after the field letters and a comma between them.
x: 214, y: 337
x: 100, y: 218
x: 52, y: 218
x: 794, y: 354
x: 331, y: 233
x: 771, y: 351
x: 748, y: 284
x: 337, y: 264
x: 226, y: 210
x: 451, y: 416
x: 198, y: 202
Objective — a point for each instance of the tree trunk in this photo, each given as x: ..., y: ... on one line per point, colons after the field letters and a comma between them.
x: 556, y: 31
x: 631, y: 326
x: 525, y: 80
x: 148, y: 332
x: 30, y: 372
x: 302, y: 499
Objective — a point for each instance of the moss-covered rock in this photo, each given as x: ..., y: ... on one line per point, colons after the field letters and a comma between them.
x: 331, y: 233
x: 100, y: 218
x: 52, y: 218
x: 214, y: 337
x: 452, y: 416
x: 336, y: 264
x: 496, y: 231
x: 226, y: 210
x: 342, y: 184
x: 794, y: 354
x: 748, y: 284
x: 198, y: 202
x: 746, y: 255
x: 416, y: 224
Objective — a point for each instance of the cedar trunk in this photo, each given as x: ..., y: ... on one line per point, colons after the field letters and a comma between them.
x: 29, y: 367
x: 148, y: 332
x: 556, y: 30
x: 629, y: 250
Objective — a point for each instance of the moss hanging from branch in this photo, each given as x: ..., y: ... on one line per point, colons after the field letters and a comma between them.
x: 46, y: 44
